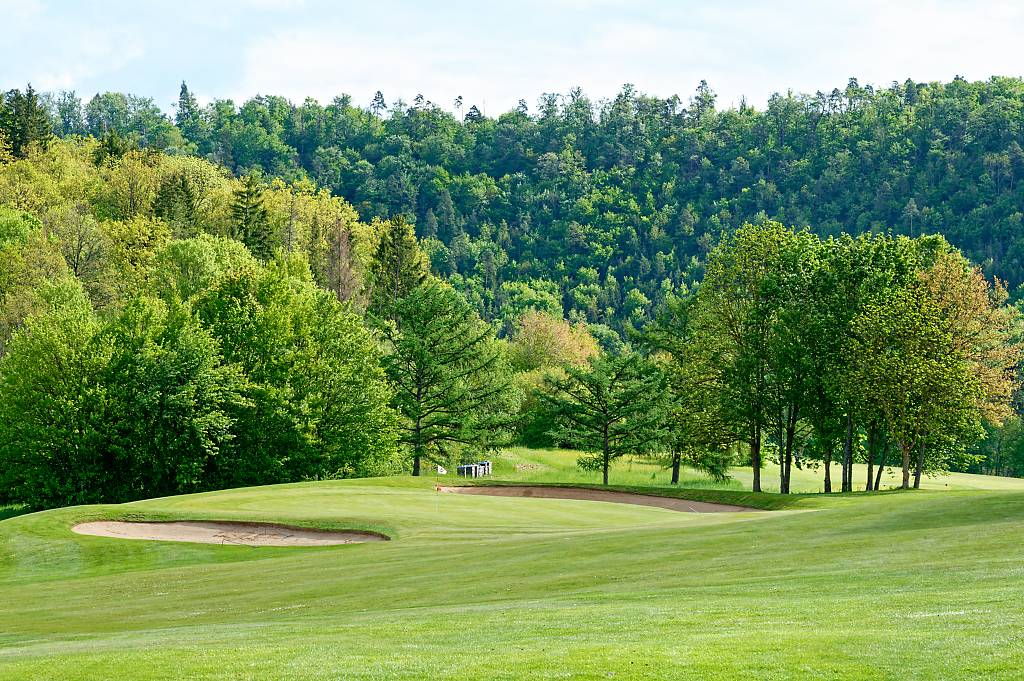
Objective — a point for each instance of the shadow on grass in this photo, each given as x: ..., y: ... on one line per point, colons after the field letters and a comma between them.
x: 758, y: 500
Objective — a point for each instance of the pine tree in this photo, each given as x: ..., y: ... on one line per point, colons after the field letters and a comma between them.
x: 251, y: 218
x: 398, y: 267
x: 24, y: 121
x: 429, y: 224
x: 451, y: 381
x: 189, y: 117
x: 378, y: 104
x: 614, y: 407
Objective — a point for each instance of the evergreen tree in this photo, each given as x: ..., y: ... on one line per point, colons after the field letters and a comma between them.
x: 189, y: 118
x: 251, y: 218
x: 24, y: 121
x: 613, y: 407
x: 451, y: 380
x: 398, y: 267
x: 378, y: 104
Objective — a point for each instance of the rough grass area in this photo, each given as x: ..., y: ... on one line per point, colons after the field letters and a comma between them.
x: 559, y: 466
x: 915, y: 585
x: 11, y: 511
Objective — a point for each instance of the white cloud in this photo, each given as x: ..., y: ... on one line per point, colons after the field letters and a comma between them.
x: 741, y: 48
x: 494, y: 54
x: 97, y: 52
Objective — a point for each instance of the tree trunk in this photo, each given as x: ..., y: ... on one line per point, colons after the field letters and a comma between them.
x: 882, y: 455
x: 790, y: 441
x: 828, y: 469
x: 607, y: 457
x: 848, y: 455
x: 755, y: 457
x: 676, y: 458
x: 416, y: 463
x: 919, y: 468
x: 905, y: 449
x: 780, y: 429
x: 872, y: 442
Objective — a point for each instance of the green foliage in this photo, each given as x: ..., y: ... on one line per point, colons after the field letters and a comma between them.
x: 167, y: 400
x: 15, y: 226
x: 232, y: 373
x: 24, y: 121
x: 452, y: 380
x: 317, y: 400
x: 251, y: 218
x: 612, y: 407
x: 698, y: 433
x: 398, y: 267
x: 904, y: 368
x: 638, y: 188
x: 29, y: 262
x: 110, y: 412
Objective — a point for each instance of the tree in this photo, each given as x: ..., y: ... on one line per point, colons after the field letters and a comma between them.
x: 343, y: 277
x: 93, y: 412
x: 68, y: 110
x: 904, y: 365
x: 452, y: 382
x: 910, y: 212
x: 189, y: 117
x: 541, y: 345
x: 398, y: 267
x: 47, y: 407
x: 316, y: 395
x: 378, y: 104
x: 541, y: 340
x: 24, y: 121
x: 85, y: 247
x: 983, y: 334
x: 747, y: 285
x: 792, y: 370
x: 613, y: 407
x: 251, y: 218
x: 30, y: 262
x: 697, y: 433
x: 167, y: 400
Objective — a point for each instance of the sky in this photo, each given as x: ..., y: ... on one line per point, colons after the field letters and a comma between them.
x: 495, y: 53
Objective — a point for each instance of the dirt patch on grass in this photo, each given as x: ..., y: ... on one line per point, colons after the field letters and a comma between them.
x: 224, y: 532
x: 587, y: 494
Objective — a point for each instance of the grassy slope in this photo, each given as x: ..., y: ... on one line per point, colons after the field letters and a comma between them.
x: 909, y: 585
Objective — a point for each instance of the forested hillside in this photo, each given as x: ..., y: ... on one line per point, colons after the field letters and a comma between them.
x: 601, y: 207
x: 338, y: 292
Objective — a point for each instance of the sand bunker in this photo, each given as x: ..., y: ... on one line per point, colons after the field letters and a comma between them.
x: 587, y: 494
x: 224, y: 532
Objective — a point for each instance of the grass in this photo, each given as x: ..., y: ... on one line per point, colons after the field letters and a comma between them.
x: 11, y: 511
x: 558, y: 466
x: 918, y: 585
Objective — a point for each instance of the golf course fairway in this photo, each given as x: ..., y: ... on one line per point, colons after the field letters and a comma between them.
x: 913, y: 585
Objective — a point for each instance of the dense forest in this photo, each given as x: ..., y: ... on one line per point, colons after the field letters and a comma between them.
x: 600, y: 208
x: 271, y: 292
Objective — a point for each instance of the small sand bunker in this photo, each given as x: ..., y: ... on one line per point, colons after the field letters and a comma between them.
x: 224, y: 532
x: 587, y: 494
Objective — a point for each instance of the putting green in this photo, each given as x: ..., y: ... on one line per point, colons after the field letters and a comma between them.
x: 915, y: 585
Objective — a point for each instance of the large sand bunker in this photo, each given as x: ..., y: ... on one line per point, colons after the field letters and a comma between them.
x: 224, y: 532
x: 587, y: 494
